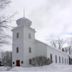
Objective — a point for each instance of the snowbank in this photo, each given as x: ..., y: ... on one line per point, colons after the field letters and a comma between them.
x: 49, y: 68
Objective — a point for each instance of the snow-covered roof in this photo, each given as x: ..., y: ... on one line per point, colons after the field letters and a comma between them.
x: 48, y: 46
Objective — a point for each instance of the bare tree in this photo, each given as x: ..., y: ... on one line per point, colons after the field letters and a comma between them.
x: 69, y: 41
x: 69, y: 48
x: 53, y: 43
x: 7, y: 58
x: 4, y: 3
x: 3, y: 23
x: 4, y: 26
x: 58, y: 43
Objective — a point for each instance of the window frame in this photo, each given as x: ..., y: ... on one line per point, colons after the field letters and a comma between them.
x: 17, y: 50
x: 59, y: 59
x: 55, y: 58
x: 30, y: 61
x: 30, y: 50
x: 17, y: 35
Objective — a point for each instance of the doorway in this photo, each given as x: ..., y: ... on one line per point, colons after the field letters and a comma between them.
x: 17, y: 62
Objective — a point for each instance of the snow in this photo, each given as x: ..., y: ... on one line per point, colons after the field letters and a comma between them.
x: 3, y: 68
x: 49, y: 68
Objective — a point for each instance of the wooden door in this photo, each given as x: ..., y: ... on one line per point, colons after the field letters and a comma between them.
x: 17, y: 62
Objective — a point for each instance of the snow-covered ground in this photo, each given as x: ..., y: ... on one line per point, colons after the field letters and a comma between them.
x: 3, y: 68
x: 49, y: 68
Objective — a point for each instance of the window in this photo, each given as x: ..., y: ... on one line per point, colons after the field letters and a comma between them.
x: 17, y: 49
x: 51, y: 57
x: 65, y: 60
x: 29, y: 36
x: 62, y: 59
x: 17, y: 35
x: 59, y: 60
x: 30, y: 61
x: 56, y: 58
x: 13, y: 62
x: 29, y: 49
x: 0, y: 62
x: 68, y: 61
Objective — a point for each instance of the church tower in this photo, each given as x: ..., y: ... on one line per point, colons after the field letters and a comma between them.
x: 23, y: 39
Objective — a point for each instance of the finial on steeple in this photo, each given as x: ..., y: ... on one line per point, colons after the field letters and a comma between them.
x: 23, y: 12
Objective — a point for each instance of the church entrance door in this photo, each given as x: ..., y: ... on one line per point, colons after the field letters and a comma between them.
x: 17, y: 62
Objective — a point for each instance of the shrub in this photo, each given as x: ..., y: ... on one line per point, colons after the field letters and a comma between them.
x: 40, y: 61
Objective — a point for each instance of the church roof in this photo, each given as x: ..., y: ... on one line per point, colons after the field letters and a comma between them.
x: 24, y: 21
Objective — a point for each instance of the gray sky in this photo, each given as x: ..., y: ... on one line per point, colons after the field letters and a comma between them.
x: 50, y: 18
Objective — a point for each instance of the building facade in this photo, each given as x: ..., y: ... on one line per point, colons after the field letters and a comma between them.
x: 25, y: 46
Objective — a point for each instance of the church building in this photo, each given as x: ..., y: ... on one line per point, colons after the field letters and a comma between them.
x: 25, y: 46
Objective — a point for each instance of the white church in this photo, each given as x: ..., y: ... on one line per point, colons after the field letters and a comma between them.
x: 25, y: 46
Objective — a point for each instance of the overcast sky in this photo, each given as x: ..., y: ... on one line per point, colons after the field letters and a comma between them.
x: 50, y: 18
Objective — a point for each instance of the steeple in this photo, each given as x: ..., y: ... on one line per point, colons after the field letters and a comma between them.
x: 24, y: 12
x: 23, y: 22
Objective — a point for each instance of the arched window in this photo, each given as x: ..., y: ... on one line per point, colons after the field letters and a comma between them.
x: 30, y: 61
x: 17, y: 49
x: 65, y: 60
x: 17, y: 35
x: 51, y: 57
x: 59, y: 59
x: 30, y: 50
x: 56, y: 58
x: 62, y: 59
